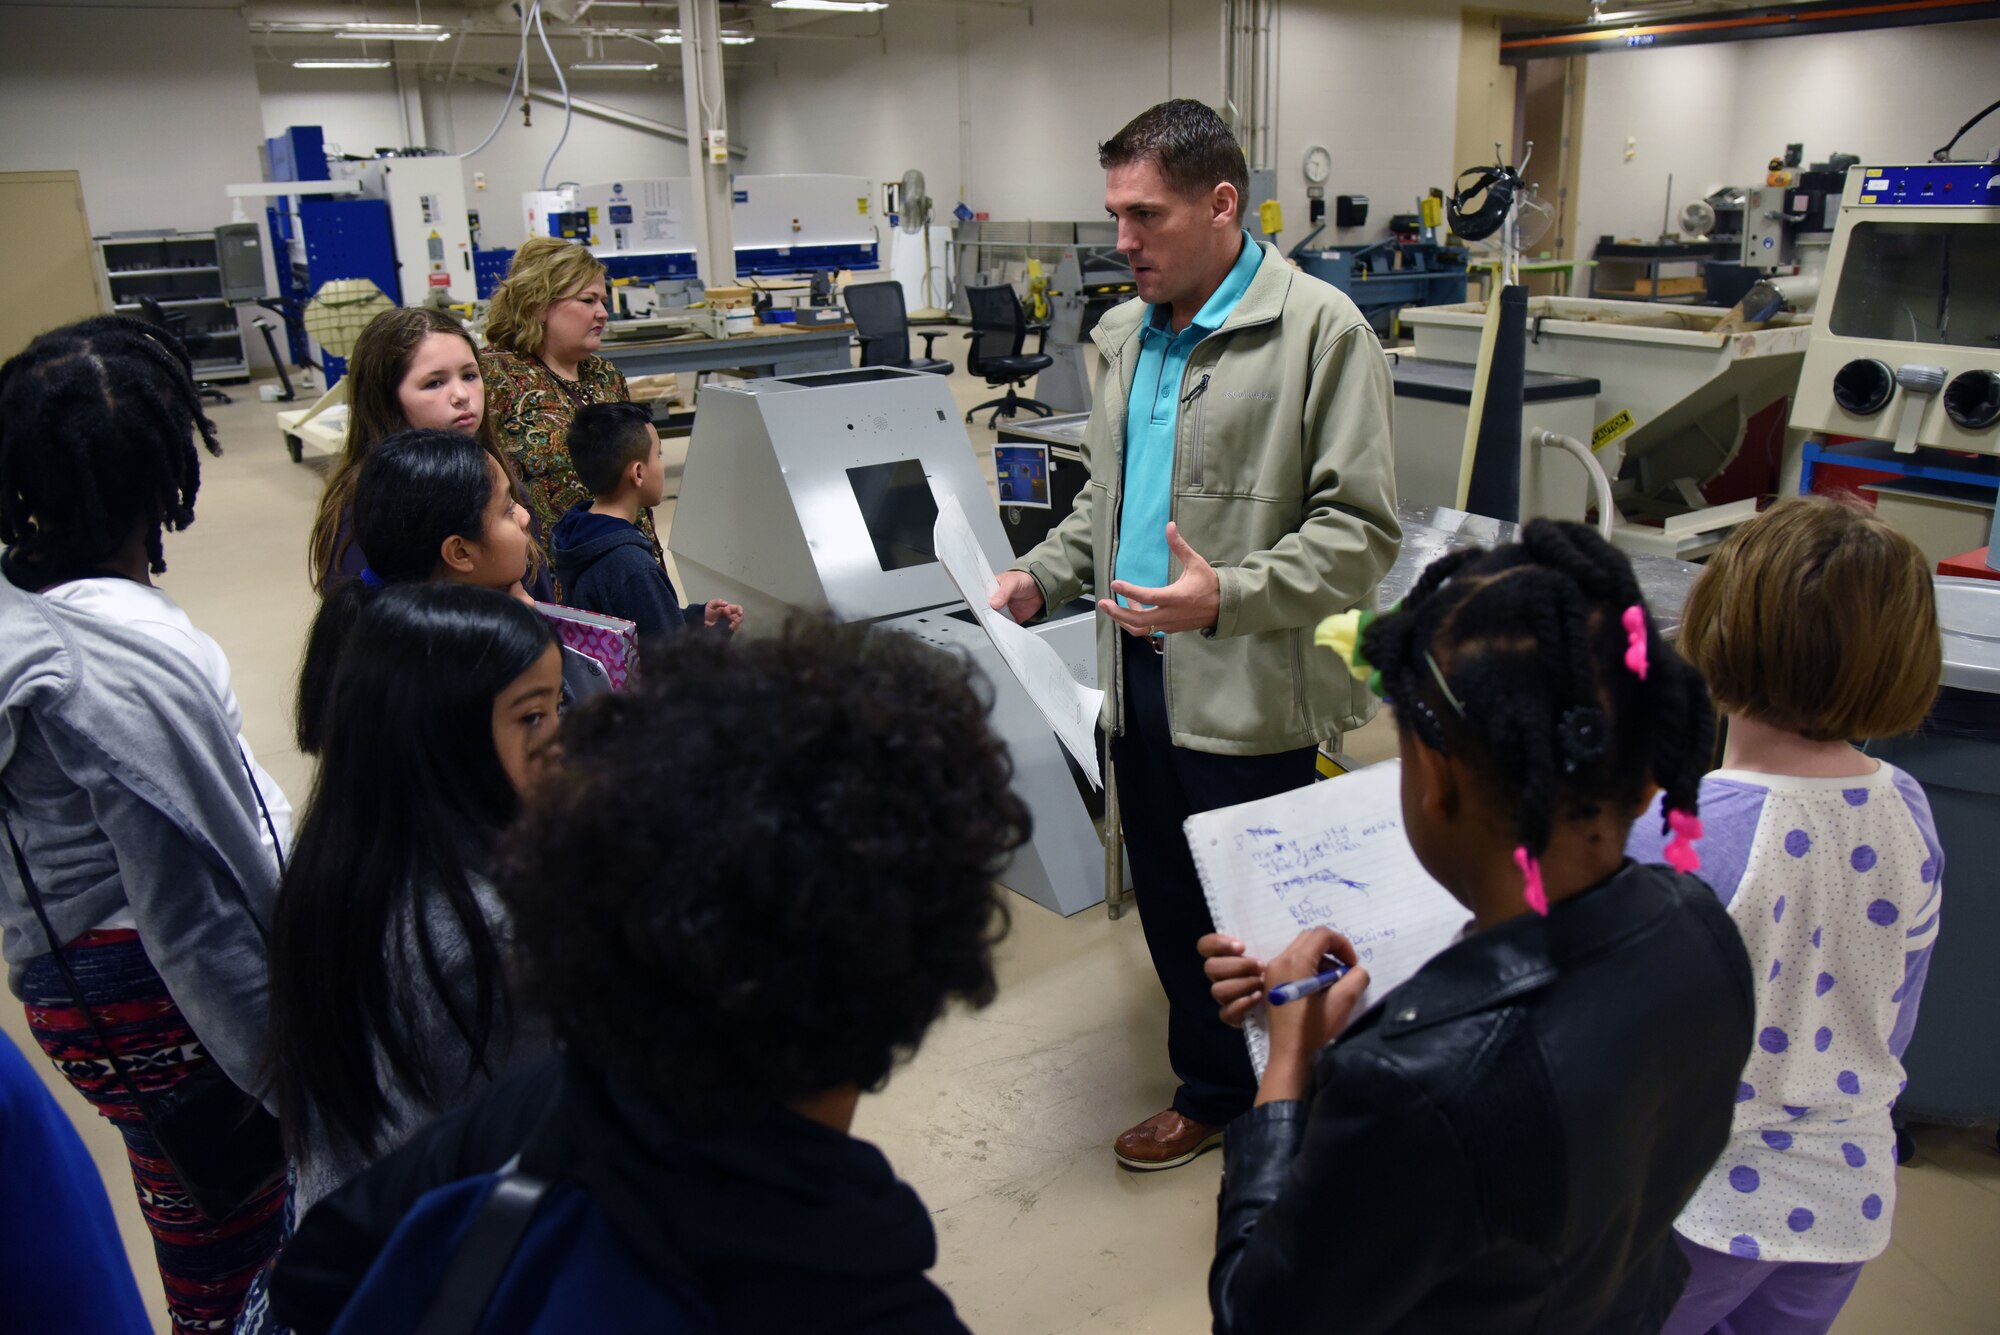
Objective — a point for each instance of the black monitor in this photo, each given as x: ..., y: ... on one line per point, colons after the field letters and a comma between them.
x: 901, y: 514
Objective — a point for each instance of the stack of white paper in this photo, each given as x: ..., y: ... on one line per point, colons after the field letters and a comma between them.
x: 1070, y: 707
x: 1330, y: 854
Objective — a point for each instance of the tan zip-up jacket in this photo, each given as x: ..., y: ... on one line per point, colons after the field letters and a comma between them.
x: 1283, y: 480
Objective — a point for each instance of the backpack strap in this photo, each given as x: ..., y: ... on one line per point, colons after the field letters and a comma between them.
x: 481, y: 1260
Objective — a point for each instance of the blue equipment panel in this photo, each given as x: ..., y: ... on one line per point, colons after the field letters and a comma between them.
x: 348, y: 238
x: 489, y: 267
x: 804, y: 259
x: 489, y: 270
x: 299, y: 154
x: 1386, y: 276
x: 1932, y: 185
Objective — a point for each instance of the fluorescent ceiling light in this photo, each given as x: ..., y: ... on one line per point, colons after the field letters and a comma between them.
x: 833, y: 6
x: 672, y: 38
x: 1642, y: 15
x: 328, y: 64
x: 353, y: 35
x: 626, y: 66
x: 395, y: 27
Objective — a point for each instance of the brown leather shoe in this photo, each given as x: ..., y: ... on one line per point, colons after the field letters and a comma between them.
x: 1164, y: 1140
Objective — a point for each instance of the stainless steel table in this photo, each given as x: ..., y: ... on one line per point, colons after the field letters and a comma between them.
x: 792, y: 353
x: 1064, y: 429
x: 1430, y: 531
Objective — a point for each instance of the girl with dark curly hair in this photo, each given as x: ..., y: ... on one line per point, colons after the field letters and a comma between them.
x: 1502, y: 1143
x: 722, y: 1010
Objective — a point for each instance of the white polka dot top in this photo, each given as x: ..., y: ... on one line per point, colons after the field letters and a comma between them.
x: 1836, y: 885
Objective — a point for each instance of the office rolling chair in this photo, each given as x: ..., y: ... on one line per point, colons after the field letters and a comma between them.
x: 883, y: 326
x: 999, y: 328
x: 153, y: 314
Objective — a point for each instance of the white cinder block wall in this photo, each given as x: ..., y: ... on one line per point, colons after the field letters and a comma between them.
x: 1716, y: 115
x: 159, y: 108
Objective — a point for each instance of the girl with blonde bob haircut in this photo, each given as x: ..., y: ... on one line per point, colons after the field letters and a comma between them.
x: 541, y: 367
x: 1816, y: 626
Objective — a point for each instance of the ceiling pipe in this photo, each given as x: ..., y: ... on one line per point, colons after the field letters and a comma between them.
x: 599, y: 111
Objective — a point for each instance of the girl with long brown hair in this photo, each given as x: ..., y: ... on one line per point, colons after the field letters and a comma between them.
x: 412, y: 367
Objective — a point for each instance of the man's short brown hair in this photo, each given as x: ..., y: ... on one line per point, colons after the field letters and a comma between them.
x: 1818, y: 618
x: 1190, y: 145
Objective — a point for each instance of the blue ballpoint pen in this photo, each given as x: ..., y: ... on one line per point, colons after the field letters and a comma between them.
x: 1305, y: 987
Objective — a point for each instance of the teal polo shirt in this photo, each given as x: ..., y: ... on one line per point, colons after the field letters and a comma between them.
x: 1152, y: 414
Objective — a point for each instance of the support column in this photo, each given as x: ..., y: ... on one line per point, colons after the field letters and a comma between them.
x: 707, y: 115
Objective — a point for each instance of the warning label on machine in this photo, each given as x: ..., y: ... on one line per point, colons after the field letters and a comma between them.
x: 1611, y: 430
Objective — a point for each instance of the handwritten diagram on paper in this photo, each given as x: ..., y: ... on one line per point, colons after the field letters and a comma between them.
x: 1070, y: 707
x: 1334, y: 855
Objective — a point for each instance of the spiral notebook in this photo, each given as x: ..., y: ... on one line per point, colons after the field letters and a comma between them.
x: 1331, y: 854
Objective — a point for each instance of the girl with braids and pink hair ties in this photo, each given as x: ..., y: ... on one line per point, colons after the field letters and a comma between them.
x: 1503, y: 1142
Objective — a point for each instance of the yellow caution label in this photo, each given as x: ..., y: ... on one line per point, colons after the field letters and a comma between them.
x: 593, y: 215
x: 861, y: 205
x: 1270, y: 217
x: 1608, y: 431
x: 1868, y: 199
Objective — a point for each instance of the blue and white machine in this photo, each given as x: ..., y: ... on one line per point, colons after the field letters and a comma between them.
x: 643, y: 228
x: 1905, y: 355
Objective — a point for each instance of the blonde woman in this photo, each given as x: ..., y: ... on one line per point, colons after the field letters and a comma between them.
x: 541, y: 366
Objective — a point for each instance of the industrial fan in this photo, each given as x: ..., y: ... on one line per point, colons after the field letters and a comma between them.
x: 913, y: 215
x: 340, y: 310
x: 1697, y: 220
x: 1534, y: 218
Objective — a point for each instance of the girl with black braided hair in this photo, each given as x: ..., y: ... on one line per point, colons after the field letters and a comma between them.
x: 151, y: 833
x: 1503, y: 1142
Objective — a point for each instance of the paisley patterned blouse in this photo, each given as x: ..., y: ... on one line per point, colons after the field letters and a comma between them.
x: 532, y: 407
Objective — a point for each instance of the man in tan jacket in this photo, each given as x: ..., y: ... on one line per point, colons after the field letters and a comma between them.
x: 1242, y: 488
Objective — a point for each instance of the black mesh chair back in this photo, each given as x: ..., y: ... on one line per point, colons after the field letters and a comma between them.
x: 192, y: 341
x: 880, y: 321
x: 999, y: 327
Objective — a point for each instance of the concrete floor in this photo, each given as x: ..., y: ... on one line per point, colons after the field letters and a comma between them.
x: 1003, y: 1121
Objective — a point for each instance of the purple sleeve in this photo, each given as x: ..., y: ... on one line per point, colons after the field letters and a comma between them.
x: 1920, y: 812
x: 1916, y: 968
x: 1729, y: 815
x: 1924, y: 922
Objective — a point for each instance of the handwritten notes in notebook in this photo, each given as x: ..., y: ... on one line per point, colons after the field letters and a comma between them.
x: 1330, y: 854
x: 1069, y: 706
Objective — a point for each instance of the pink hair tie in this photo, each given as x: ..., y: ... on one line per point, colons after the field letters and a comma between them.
x: 1635, y: 640
x: 1680, y: 853
x: 1531, y: 875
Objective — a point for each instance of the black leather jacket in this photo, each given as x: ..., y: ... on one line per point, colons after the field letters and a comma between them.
x: 1504, y: 1142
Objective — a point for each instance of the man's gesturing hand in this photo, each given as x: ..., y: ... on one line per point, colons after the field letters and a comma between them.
x: 1017, y: 595
x: 1191, y: 602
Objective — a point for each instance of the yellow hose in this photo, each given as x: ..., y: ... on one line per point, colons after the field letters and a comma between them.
x: 1488, y: 338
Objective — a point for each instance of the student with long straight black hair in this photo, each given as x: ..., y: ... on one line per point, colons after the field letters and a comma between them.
x: 428, y: 506
x: 389, y: 996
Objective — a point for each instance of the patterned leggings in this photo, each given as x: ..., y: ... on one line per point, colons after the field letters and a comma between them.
x: 204, y: 1266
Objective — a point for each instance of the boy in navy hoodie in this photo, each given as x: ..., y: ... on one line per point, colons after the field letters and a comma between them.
x: 605, y: 563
